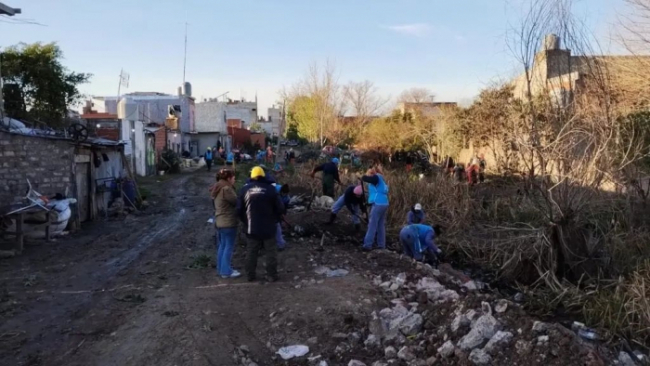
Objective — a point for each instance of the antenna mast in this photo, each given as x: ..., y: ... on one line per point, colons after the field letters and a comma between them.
x: 185, y: 55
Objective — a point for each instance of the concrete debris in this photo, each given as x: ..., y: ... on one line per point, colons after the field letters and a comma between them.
x: 540, y: 327
x: 542, y: 340
x: 400, y: 280
x: 406, y: 354
x: 356, y: 363
x: 431, y: 361
x: 435, y: 291
x: 390, y: 352
x: 323, y: 202
x: 460, y: 321
x: 372, y: 342
x: 290, y: 352
x: 447, y: 349
x: 392, y: 322
x: 482, y: 330
x: 323, y: 270
x: 624, y: 359
x: 339, y: 336
x: 523, y: 348
x: 501, y: 306
x: 322, y: 363
x: 499, y: 339
x: 379, y: 363
x: 480, y: 357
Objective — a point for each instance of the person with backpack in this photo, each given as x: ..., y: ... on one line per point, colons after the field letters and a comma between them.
x: 208, y: 158
x: 378, y: 198
x: 418, y: 242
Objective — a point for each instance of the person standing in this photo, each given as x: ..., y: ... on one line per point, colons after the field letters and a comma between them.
x: 353, y: 199
x: 292, y: 156
x: 415, y: 215
x: 225, y: 213
x: 208, y: 158
x: 283, y: 191
x: 378, y: 197
x: 230, y: 158
x: 260, y: 209
x: 330, y: 176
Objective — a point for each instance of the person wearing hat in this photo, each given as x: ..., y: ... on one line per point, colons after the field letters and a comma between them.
x: 208, y: 158
x: 415, y: 215
x: 330, y: 176
x: 418, y: 242
x: 260, y: 209
x: 354, y: 200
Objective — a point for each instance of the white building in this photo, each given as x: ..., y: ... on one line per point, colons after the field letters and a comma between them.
x: 275, y: 119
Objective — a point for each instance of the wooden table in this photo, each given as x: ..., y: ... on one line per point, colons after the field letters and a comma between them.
x: 20, y: 220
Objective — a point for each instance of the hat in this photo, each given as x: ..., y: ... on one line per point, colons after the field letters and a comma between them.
x: 417, y: 207
x: 335, y: 160
x: 257, y: 172
x: 358, y: 190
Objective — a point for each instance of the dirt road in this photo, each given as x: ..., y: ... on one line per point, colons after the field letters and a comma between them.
x: 138, y: 291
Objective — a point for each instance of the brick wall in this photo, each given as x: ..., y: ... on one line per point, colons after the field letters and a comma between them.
x: 161, y: 140
x: 109, y: 133
x: 47, y: 163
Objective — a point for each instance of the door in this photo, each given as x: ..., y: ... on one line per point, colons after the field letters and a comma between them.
x: 82, y: 177
x: 150, y: 154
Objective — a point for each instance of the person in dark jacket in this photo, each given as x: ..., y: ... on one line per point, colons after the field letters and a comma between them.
x: 330, y: 175
x: 416, y: 215
x: 260, y: 209
x: 354, y: 200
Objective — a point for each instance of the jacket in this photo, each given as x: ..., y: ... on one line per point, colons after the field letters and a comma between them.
x: 225, y: 205
x: 285, y: 198
x: 260, y: 209
x: 377, y: 189
x: 329, y: 169
x: 208, y: 155
x: 415, y: 217
x: 350, y: 199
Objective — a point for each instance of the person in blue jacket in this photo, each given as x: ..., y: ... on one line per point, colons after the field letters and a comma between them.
x: 378, y: 198
x: 419, y: 242
x: 230, y: 158
x: 283, y: 191
x: 415, y: 215
x: 208, y: 158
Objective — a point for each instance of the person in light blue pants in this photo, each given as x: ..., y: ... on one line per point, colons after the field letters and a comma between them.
x: 378, y: 197
x: 226, y: 221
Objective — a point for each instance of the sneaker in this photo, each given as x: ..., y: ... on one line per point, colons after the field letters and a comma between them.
x: 234, y: 274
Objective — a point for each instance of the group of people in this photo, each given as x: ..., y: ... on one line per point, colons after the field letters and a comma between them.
x: 261, y: 204
x: 474, y: 173
x: 260, y: 207
x: 208, y: 157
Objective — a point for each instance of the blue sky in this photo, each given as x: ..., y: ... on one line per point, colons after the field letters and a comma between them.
x: 258, y: 46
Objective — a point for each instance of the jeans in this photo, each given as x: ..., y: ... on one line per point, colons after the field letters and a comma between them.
x: 253, y: 247
x: 340, y: 203
x: 278, y: 237
x: 376, y: 227
x: 225, y: 245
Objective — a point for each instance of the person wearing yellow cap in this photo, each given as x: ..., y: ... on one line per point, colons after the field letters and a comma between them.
x: 260, y: 208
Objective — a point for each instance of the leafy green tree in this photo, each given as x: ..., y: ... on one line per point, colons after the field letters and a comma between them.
x: 37, y: 85
x: 256, y: 127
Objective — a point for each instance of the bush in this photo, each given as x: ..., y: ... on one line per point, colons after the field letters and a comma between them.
x: 170, y: 162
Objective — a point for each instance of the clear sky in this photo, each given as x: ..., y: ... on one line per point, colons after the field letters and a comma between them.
x: 453, y: 47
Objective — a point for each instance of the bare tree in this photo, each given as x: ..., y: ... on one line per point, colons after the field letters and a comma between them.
x: 363, y: 101
x: 416, y: 95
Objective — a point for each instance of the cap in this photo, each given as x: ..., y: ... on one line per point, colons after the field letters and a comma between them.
x: 358, y: 190
x: 257, y: 172
x: 417, y: 207
x: 335, y: 160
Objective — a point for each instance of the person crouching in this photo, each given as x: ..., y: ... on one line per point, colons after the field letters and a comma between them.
x: 354, y: 200
x: 415, y: 215
x: 418, y: 242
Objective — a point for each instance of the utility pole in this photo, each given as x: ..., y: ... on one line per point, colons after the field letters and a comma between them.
x: 5, y: 10
x: 185, y: 56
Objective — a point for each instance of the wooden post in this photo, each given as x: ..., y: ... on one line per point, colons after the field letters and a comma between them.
x: 128, y: 170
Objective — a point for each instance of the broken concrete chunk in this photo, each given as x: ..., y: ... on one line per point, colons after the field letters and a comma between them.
x: 446, y: 350
x: 390, y: 352
x: 482, y: 330
x: 542, y: 340
x: 480, y: 357
x: 499, y: 339
x: 431, y: 361
x: 501, y: 306
x: 356, y: 363
x: 539, y: 327
x: 372, y: 342
x: 290, y: 352
x: 523, y: 348
x: 406, y: 354
x: 460, y: 321
x: 624, y: 359
x: 411, y: 324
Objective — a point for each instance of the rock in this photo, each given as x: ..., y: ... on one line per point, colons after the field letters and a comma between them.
x: 406, y: 354
x: 394, y: 287
x: 519, y: 297
x: 471, y: 314
x: 354, y: 338
x: 523, y: 348
x: 312, y: 340
x: 473, y: 285
x: 356, y: 363
x: 499, y: 339
x: 379, y: 363
x: 342, y: 348
x: 501, y: 306
x: 540, y: 327
x: 390, y: 352
x: 482, y: 330
x: 244, y: 348
x: 400, y: 280
x: 410, y: 324
x: 339, y: 336
x: 372, y: 342
x: 377, y: 281
x: 460, y: 321
x: 385, y: 285
x: 447, y: 349
x: 542, y: 340
x: 624, y: 359
x: 431, y: 361
x: 480, y: 357
x: 322, y: 363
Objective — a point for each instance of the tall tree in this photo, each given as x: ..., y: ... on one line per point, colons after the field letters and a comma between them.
x: 37, y: 85
x: 416, y: 95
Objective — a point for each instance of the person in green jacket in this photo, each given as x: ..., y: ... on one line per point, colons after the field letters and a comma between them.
x: 226, y: 221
